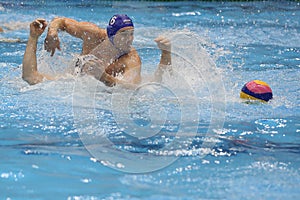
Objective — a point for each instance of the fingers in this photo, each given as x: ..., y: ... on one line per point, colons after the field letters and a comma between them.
x: 37, y: 27
x: 163, y: 43
x: 51, y: 44
x: 40, y: 23
x: 41, y: 20
x: 48, y: 48
x: 52, y: 52
x: 162, y: 40
x: 159, y: 39
x: 46, y: 44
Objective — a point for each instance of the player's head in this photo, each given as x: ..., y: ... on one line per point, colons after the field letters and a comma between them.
x: 116, y: 23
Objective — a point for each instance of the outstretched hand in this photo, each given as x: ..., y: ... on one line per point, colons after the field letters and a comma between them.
x: 37, y: 27
x: 163, y: 43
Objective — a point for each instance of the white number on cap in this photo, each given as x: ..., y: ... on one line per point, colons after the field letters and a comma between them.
x: 113, y: 20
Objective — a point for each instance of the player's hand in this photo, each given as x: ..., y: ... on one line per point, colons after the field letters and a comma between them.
x: 163, y: 43
x: 37, y: 27
x: 52, y: 43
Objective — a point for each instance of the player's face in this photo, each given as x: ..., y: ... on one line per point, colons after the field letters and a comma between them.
x: 124, y: 38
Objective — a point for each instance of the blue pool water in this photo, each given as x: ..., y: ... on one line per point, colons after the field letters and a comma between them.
x: 217, y: 148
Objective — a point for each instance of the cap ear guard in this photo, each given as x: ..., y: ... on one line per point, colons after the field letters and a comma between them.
x: 116, y: 23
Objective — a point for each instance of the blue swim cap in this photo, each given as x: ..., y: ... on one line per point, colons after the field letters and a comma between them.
x: 116, y: 23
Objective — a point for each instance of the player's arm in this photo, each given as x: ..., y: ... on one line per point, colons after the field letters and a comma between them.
x: 90, y: 33
x: 165, y: 63
x: 30, y: 73
x: 132, y: 63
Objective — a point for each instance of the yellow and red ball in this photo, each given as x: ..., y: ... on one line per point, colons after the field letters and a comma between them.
x: 256, y: 90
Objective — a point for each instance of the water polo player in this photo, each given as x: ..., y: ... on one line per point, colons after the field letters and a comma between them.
x: 112, y: 47
x: 105, y: 53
